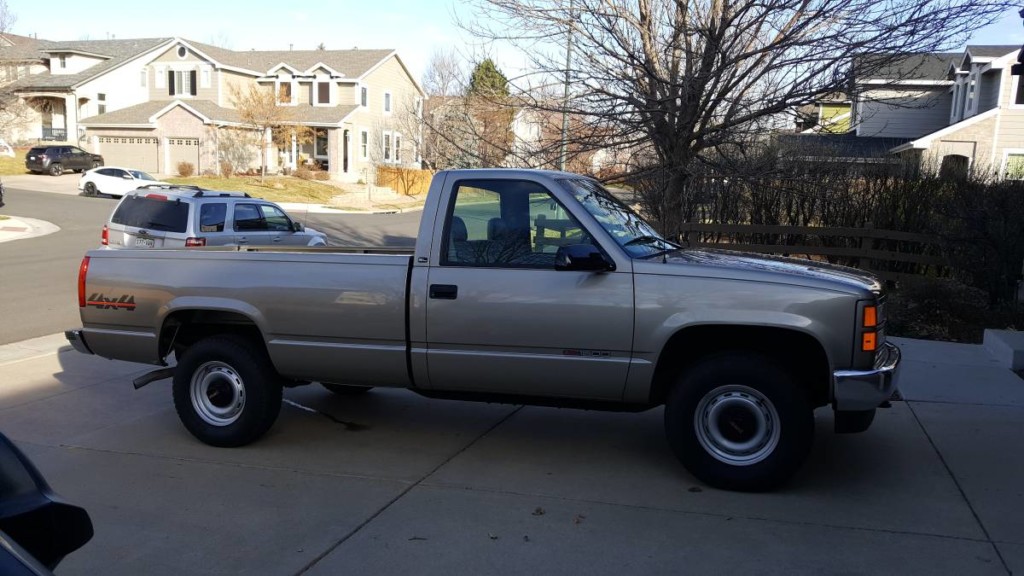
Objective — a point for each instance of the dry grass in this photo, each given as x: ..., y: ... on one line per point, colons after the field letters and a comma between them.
x: 12, y: 166
x: 274, y: 188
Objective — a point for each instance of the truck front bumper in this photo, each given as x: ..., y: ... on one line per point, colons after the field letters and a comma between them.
x: 77, y: 341
x: 867, y: 389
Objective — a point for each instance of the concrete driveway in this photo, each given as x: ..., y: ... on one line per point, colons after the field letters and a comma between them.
x: 392, y: 483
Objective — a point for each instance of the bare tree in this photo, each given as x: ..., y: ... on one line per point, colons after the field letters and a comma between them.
x: 14, y: 112
x: 688, y: 83
x: 258, y: 108
x: 444, y: 75
x: 7, y: 17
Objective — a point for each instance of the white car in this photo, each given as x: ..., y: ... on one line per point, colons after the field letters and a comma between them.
x: 113, y: 181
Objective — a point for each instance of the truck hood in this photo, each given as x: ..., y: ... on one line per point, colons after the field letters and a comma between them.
x: 742, y: 265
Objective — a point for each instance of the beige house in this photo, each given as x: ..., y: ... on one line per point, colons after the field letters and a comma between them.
x: 151, y: 104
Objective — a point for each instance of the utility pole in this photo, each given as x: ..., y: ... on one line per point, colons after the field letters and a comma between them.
x: 565, y: 99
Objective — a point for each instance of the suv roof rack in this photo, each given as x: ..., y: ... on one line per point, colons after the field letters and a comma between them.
x: 169, y: 186
x: 205, y: 193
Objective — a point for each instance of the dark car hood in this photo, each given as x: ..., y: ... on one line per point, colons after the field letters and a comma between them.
x: 729, y: 263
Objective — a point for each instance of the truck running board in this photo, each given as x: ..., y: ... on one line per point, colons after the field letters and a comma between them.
x: 153, y: 376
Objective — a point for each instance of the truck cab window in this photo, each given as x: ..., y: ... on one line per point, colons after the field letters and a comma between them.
x: 507, y: 224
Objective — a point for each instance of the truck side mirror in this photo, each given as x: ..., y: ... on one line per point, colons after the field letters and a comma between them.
x: 582, y: 257
x: 32, y: 515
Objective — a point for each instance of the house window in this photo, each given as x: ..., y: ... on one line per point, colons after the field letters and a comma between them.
x: 398, y: 148
x: 101, y: 103
x: 363, y: 96
x: 181, y: 82
x: 387, y: 101
x: 321, y: 143
x: 364, y: 144
x: 971, y: 96
x: 1014, y: 167
x: 387, y: 147
x: 63, y: 61
x: 323, y: 92
x: 182, y: 52
x: 159, y: 77
x: 284, y: 93
x: 1018, y: 94
x: 205, y: 77
x: 142, y: 78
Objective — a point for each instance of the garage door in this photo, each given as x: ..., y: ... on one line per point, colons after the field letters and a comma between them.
x: 182, y: 150
x: 137, y: 153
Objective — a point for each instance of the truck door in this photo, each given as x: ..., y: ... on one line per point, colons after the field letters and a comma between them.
x: 501, y: 319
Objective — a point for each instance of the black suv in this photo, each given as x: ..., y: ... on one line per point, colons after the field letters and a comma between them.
x: 57, y: 159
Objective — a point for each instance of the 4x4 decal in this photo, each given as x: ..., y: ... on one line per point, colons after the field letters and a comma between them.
x: 125, y: 302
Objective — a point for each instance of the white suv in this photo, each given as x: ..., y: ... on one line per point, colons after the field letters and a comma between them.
x: 172, y: 216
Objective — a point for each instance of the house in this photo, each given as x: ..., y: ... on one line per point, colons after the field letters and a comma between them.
x: 154, y: 103
x: 949, y: 113
x: 830, y: 114
x: 983, y: 122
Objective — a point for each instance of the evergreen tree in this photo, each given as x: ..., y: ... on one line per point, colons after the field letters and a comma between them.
x: 487, y: 80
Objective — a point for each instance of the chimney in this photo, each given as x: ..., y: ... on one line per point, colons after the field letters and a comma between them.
x: 290, y: 47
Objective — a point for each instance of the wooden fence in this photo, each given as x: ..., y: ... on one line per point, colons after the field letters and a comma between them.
x: 404, y: 180
x: 889, y: 254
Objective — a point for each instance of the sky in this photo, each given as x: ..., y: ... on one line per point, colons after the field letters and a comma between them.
x: 416, y: 28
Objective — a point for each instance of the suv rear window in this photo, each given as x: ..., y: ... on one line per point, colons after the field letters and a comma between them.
x: 38, y: 151
x: 152, y: 213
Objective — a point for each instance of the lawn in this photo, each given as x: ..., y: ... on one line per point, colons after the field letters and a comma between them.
x: 273, y: 188
x: 11, y: 166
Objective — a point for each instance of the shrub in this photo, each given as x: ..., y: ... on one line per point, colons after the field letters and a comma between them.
x: 321, y: 175
x: 226, y: 169
x: 303, y: 173
x: 186, y: 169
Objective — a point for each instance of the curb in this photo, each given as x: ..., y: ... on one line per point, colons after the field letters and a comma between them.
x: 32, y: 348
x: 19, y: 228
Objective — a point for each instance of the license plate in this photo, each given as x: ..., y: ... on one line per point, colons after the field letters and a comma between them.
x: 145, y: 242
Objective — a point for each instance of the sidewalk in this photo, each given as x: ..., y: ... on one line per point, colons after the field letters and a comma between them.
x: 393, y: 483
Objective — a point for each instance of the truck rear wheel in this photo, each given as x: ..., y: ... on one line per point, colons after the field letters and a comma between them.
x: 740, y: 422
x: 226, y: 391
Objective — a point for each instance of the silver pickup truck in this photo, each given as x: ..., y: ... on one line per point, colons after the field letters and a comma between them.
x: 526, y: 287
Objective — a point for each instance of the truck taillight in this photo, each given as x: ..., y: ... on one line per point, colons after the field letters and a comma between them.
x: 195, y: 242
x: 82, y: 271
x: 105, y: 236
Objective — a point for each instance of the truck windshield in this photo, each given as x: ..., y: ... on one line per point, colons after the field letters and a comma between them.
x: 638, y: 238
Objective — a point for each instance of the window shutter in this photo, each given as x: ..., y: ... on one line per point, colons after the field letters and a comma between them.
x: 170, y: 82
x: 192, y: 81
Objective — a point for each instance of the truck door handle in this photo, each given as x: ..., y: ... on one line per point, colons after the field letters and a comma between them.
x: 444, y: 291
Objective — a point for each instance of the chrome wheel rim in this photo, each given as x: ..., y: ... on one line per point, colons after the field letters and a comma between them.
x: 737, y: 425
x: 218, y: 393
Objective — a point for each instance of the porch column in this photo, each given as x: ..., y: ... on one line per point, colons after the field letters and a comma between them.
x: 293, y: 159
x: 71, y: 118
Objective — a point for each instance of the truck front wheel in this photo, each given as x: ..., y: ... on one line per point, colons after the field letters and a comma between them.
x: 226, y: 391
x: 740, y: 422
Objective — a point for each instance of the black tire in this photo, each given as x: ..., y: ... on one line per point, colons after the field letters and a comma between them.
x: 78, y: 170
x: 217, y: 369
x: 56, y: 169
x: 90, y: 189
x: 346, y: 389
x: 738, y: 421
